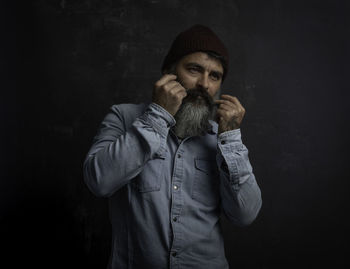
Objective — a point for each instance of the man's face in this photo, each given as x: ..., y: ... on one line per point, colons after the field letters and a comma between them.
x: 200, y: 71
x: 201, y: 76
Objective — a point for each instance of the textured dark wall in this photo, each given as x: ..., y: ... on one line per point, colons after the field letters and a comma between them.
x: 64, y: 63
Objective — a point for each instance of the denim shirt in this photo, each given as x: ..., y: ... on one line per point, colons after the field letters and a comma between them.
x: 166, y: 196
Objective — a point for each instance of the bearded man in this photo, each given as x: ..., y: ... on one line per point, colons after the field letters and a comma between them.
x: 173, y: 167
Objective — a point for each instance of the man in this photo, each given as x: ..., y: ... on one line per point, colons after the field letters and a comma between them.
x: 170, y: 170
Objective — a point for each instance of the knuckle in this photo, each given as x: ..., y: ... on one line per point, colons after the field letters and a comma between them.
x: 166, y: 87
x: 172, y: 92
x: 178, y: 97
x: 157, y: 84
x: 174, y: 96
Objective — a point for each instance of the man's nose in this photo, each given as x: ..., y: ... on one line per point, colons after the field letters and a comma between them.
x: 203, y: 82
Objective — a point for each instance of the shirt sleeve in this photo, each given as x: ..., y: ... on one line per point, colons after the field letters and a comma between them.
x: 119, y: 153
x: 240, y: 193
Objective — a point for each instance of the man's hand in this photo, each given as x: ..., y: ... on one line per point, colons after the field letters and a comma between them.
x: 229, y: 114
x: 168, y: 93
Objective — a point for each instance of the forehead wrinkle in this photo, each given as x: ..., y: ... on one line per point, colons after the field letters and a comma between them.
x: 210, y: 64
x: 207, y: 66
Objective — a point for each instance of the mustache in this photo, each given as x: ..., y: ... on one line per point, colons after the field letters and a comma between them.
x: 194, y: 93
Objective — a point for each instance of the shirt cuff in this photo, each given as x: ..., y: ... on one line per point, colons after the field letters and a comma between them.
x: 160, y: 119
x: 230, y: 144
x: 164, y: 113
x: 233, y: 136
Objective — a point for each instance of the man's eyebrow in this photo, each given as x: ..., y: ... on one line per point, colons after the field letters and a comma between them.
x: 190, y: 64
x: 218, y: 73
x: 194, y: 65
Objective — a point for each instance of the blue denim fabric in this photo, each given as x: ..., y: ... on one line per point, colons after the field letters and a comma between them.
x: 166, y: 196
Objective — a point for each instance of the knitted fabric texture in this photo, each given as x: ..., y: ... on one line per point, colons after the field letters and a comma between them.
x: 195, y: 39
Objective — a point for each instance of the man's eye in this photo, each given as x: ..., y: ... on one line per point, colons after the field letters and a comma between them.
x: 215, y: 76
x: 193, y: 69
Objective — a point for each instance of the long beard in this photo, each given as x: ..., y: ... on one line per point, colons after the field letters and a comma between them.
x: 192, y: 118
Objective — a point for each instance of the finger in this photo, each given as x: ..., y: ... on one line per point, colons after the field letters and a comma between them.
x: 222, y: 113
x: 182, y: 94
x: 178, y: 94
x: 170, y: 85
x: 233, y: 99
x: 178, y: 89
x: 226, y: 102
x: 229, y: 97
x: 165, y: 79
x: 226, y: 107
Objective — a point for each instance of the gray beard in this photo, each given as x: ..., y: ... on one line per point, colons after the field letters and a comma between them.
x: 192, y: 119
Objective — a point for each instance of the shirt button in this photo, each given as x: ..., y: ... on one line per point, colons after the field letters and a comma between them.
x: 174, y: 254
x: 175, y: 187
x: 178, y: 155
x: 223, y: 142
x: 175, y: 219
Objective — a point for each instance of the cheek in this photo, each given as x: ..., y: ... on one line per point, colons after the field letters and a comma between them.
x: 215, y: 92
x: 188, y: 82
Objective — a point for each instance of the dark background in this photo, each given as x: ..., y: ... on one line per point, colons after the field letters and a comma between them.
x: 64, y: 63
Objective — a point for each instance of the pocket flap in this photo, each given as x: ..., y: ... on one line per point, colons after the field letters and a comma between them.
x: 203, y: 165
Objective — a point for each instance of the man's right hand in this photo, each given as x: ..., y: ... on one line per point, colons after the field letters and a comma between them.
x: 168, y: 93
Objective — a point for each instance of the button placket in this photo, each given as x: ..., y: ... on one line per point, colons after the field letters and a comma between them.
x: 176, y: 205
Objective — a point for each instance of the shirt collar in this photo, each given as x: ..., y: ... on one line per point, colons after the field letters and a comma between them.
x: 213, y: 128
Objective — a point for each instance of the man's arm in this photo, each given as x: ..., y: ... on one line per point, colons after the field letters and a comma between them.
x: 240, y: 193
x: 118, y: 155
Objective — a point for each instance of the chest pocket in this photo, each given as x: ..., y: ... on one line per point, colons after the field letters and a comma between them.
x: 205, y: 187
x: 151, y: 177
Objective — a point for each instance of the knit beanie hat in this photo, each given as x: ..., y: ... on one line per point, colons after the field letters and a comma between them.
x: 197, y: 38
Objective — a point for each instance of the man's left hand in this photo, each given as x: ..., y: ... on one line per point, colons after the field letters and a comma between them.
x: 229, y: 114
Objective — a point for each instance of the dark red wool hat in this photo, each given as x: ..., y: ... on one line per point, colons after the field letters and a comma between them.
x: 196, y: 38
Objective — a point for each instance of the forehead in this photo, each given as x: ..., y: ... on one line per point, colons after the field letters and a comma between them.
x: 204, y: 60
